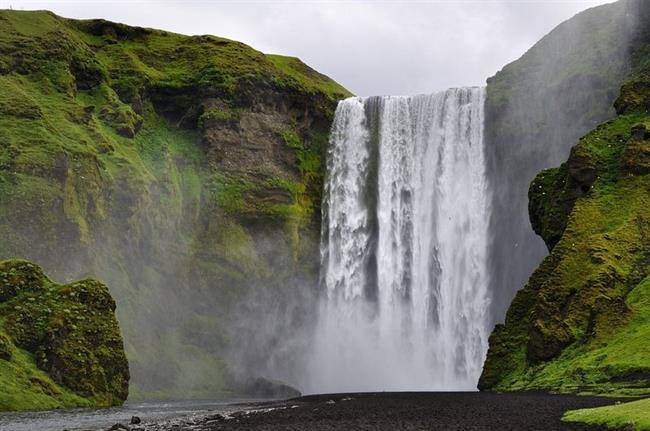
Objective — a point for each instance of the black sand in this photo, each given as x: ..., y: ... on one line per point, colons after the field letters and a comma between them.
x: 409, y: 411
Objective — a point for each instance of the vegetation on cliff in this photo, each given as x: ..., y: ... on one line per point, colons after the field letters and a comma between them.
x: 60, y: 345
x: 537, y: 107
x: 183, y: 171
x: 582, y: 323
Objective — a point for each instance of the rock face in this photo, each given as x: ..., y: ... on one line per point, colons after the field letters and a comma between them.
x: 185, y: 172
x: 60, y: 345
x: 537, y: 107
x: 582, y: 323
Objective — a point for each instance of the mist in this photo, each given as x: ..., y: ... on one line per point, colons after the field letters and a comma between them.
x: 537, y: 109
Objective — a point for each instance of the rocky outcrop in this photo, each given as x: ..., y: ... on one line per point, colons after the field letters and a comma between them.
x: 582, y: 322
x: 60, y: 345
x: 537, y: 107
x: 183, y: 171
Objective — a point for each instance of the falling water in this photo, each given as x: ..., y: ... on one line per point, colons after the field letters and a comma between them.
x: 404, y: 242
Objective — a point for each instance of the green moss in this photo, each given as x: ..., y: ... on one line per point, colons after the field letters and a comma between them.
x: 291, y: 139
x: 26, y: 387
x: 65, y: 347
x: 634, y: 415
x: 121, y: 117
x: 105, y: 169
x: 582, y: 323
x: 218, y: 115
x: 229, y: 193
x: 297, y: 74
x: 306, y: 194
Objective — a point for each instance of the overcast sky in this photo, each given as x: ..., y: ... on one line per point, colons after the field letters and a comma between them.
x: 371, y: 47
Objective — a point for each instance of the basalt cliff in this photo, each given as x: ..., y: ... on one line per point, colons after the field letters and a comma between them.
x: 184, y: 172
x: 582, y: 322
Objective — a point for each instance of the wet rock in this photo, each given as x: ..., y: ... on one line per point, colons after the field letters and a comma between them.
x: 636, y: 158
x: 119, y: 427
x: 639, y: 132
x: 135, y: 420
x: 264, y: 388
x: 582, y: 168
x: 548, y: 337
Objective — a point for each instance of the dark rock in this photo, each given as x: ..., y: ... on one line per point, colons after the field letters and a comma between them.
x: 114, y: 31
x: 582, y: 169
x: 636, y: 157
x: 634, y: 97
x: 87, y: 114
x: 548, y: 337
x: 135, y: 420
x: 639, y: 132
x: 261, y: 387
x: 87, y: 73
x: 119, y: 427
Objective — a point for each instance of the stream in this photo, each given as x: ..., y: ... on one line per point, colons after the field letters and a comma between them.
x: 158, y: 412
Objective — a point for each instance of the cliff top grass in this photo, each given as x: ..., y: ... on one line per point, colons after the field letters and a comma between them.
x: 132, y: 56
x: 306, y: 77
x: 634, y: 415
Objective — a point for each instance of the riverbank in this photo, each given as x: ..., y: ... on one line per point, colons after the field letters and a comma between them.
x: 404, y: 411
x: 154, y: 415
x: 370, y: 411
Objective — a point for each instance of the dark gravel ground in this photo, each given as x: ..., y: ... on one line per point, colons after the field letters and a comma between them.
x: 407, y: 411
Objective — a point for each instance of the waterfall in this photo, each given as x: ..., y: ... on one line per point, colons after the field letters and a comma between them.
x: 404, y: 246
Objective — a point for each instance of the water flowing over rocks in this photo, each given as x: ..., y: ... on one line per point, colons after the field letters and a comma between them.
x: 404, y: 245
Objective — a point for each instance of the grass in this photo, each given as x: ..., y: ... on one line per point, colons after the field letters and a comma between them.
x: 590, y: 295
x: 26, y: 387
x: 298, y: 74
x: 634, y: 415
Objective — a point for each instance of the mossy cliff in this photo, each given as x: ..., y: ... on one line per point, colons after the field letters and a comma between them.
x: 185, y: 172
x: 582, y: 323
x: 537, y: 107
x: 60, y: 345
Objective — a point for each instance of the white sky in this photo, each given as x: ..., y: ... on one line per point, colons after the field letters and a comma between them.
x: 371, y: 47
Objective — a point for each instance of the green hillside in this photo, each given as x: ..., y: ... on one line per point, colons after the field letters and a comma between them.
x: 185, y: 172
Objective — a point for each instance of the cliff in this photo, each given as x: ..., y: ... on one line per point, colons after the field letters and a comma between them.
x: 582, y: 322
x: 536, y: 108
x: 185, y: 172
x: 60, y: 345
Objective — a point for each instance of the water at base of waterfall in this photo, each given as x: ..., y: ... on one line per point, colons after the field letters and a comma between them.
x: 161, y: 413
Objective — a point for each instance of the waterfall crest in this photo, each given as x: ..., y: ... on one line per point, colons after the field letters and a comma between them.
x: 404, y: 246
